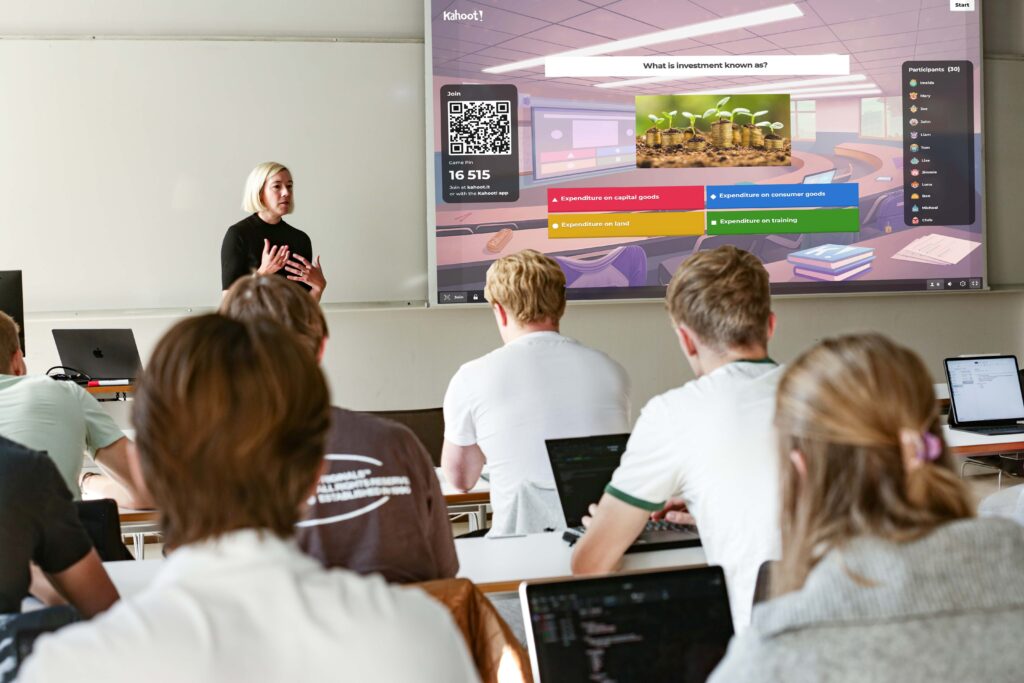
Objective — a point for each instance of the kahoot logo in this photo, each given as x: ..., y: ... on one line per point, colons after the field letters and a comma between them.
x: 346, y: 492
x: 456, y: 15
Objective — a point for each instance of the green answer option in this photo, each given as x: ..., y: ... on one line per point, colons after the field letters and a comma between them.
x: 783, y: 221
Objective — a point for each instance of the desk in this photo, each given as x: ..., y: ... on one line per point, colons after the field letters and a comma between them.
x: 130, y: 578
x: 494, y: 564
x: 499, y: 564
x: 966, y: 444
x: 137, y: 523
x: 472, y: 503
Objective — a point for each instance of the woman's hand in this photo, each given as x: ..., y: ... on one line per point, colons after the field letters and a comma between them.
x: 308, y: 273
x: 274, y: 259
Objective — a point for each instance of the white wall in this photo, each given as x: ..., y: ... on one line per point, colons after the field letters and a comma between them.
x: 391, y: 358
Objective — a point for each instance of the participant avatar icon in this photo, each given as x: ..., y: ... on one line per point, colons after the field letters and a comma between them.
x: 914, y: 208
x: 913, y: 109
x: 914, y: 172
x: 913, y: 95
x: 915, y: 147
x: 913, y: 122
x: 915, y: 161
x: 913, y: 82
x: 913, y: 135
x: 915, y: 221
x: 914, y: 184
x: 915, y: 196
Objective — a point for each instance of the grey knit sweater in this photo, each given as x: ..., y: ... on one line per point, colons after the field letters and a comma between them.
x: 949, y: 607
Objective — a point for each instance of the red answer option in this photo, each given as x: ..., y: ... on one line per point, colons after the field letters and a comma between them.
x: 582, y: 199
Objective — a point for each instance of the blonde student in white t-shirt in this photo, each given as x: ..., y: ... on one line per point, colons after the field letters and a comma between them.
x: 539, y: 385
x: 231, y: 418
x: 705, y: 449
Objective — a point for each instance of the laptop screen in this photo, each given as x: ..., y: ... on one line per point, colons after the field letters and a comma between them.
x: 582, y: 468
x: 985, y: 389
x: 658, y: 626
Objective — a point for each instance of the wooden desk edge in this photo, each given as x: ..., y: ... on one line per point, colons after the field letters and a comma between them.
x: 468, y: 498
x: 117, y: 389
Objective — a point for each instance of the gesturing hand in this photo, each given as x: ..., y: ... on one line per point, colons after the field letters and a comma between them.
x: 274, y: 258
x: 307, y: 272
x: 675, y: 511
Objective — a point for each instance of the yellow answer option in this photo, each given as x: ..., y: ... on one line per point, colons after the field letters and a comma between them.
x: 666, y: 223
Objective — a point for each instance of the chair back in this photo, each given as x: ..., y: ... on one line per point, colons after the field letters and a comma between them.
x: 18, y: 633
x: 498, y: 656
x: 427, y: 424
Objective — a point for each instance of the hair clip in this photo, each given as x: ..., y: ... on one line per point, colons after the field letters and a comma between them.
x: 932, y: 449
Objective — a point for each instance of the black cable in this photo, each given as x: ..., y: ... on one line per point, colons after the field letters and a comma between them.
x: 75, y: 375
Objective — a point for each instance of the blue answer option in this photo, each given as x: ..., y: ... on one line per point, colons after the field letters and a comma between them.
x: 781, y: 196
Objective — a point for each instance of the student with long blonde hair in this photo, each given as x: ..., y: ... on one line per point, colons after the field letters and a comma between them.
x: 885, y: 575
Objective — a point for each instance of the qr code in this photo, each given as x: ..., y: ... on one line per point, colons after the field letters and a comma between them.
x: 480, y: 127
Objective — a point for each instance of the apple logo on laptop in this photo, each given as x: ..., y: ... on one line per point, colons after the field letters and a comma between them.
x: 97, y: 352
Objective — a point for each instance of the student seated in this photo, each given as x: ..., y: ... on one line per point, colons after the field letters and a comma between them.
x: 39, y: 525
x: 378, y: 506
x: 63, y: 420
x: 884, y: 574
x: 231, y: 419
x: 703, y: 452
x: 539, y: 385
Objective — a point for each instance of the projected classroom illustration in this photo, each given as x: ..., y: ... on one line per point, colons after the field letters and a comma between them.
x: 839, y: 142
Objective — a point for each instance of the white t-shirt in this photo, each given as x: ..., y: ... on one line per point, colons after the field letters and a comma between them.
x: 711, y: 443
x: 537, y: 387
x: 252, y: 607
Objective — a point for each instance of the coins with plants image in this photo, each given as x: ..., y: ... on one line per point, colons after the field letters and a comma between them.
x: 736, y: 131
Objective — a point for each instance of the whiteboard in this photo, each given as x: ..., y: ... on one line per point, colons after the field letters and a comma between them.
x: 122, y: 163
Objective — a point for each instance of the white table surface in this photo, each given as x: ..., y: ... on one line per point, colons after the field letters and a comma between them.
x: 956, y: 438
x: 130, y: 576
x: 546, y: 556
x: 482, y: 560
x: 482, y: 486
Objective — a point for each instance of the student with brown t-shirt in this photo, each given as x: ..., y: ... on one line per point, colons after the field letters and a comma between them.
x: 378, y: 506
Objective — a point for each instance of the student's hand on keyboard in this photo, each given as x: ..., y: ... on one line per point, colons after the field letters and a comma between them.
x: 675, y: 511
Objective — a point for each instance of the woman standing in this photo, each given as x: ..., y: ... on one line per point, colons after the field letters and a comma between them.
x: 885, y: 574
x: 264, y: 241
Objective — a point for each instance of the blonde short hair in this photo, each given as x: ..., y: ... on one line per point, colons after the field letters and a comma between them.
x: 529, y: 285
x: 252, y: 200
x: 723, y: 296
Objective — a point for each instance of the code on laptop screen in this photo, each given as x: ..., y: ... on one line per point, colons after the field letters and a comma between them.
x: 666, y: 626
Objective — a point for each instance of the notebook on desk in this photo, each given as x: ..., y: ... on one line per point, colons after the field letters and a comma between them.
x: 985, y: 395
x: 99, y: 354
x: 582, y: 467
x: 666, y: 625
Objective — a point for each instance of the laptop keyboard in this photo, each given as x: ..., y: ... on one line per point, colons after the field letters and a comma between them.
x: 572, y: 534
x: 992, y: 431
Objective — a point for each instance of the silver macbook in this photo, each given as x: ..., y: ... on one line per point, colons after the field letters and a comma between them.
x: 99, y: 354
x: 985, y: 394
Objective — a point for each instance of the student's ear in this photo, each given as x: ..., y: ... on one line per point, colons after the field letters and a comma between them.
x: 500, y: 315
x: 772, y: 320
x: 686, y: 341
x: 18, y: 367
x: 799, y: 464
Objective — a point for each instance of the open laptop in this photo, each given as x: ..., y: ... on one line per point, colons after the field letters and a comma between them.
x: 666, y: 625
x: 99, y: 354
x: 582, y: 468
x: 985, y: 394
